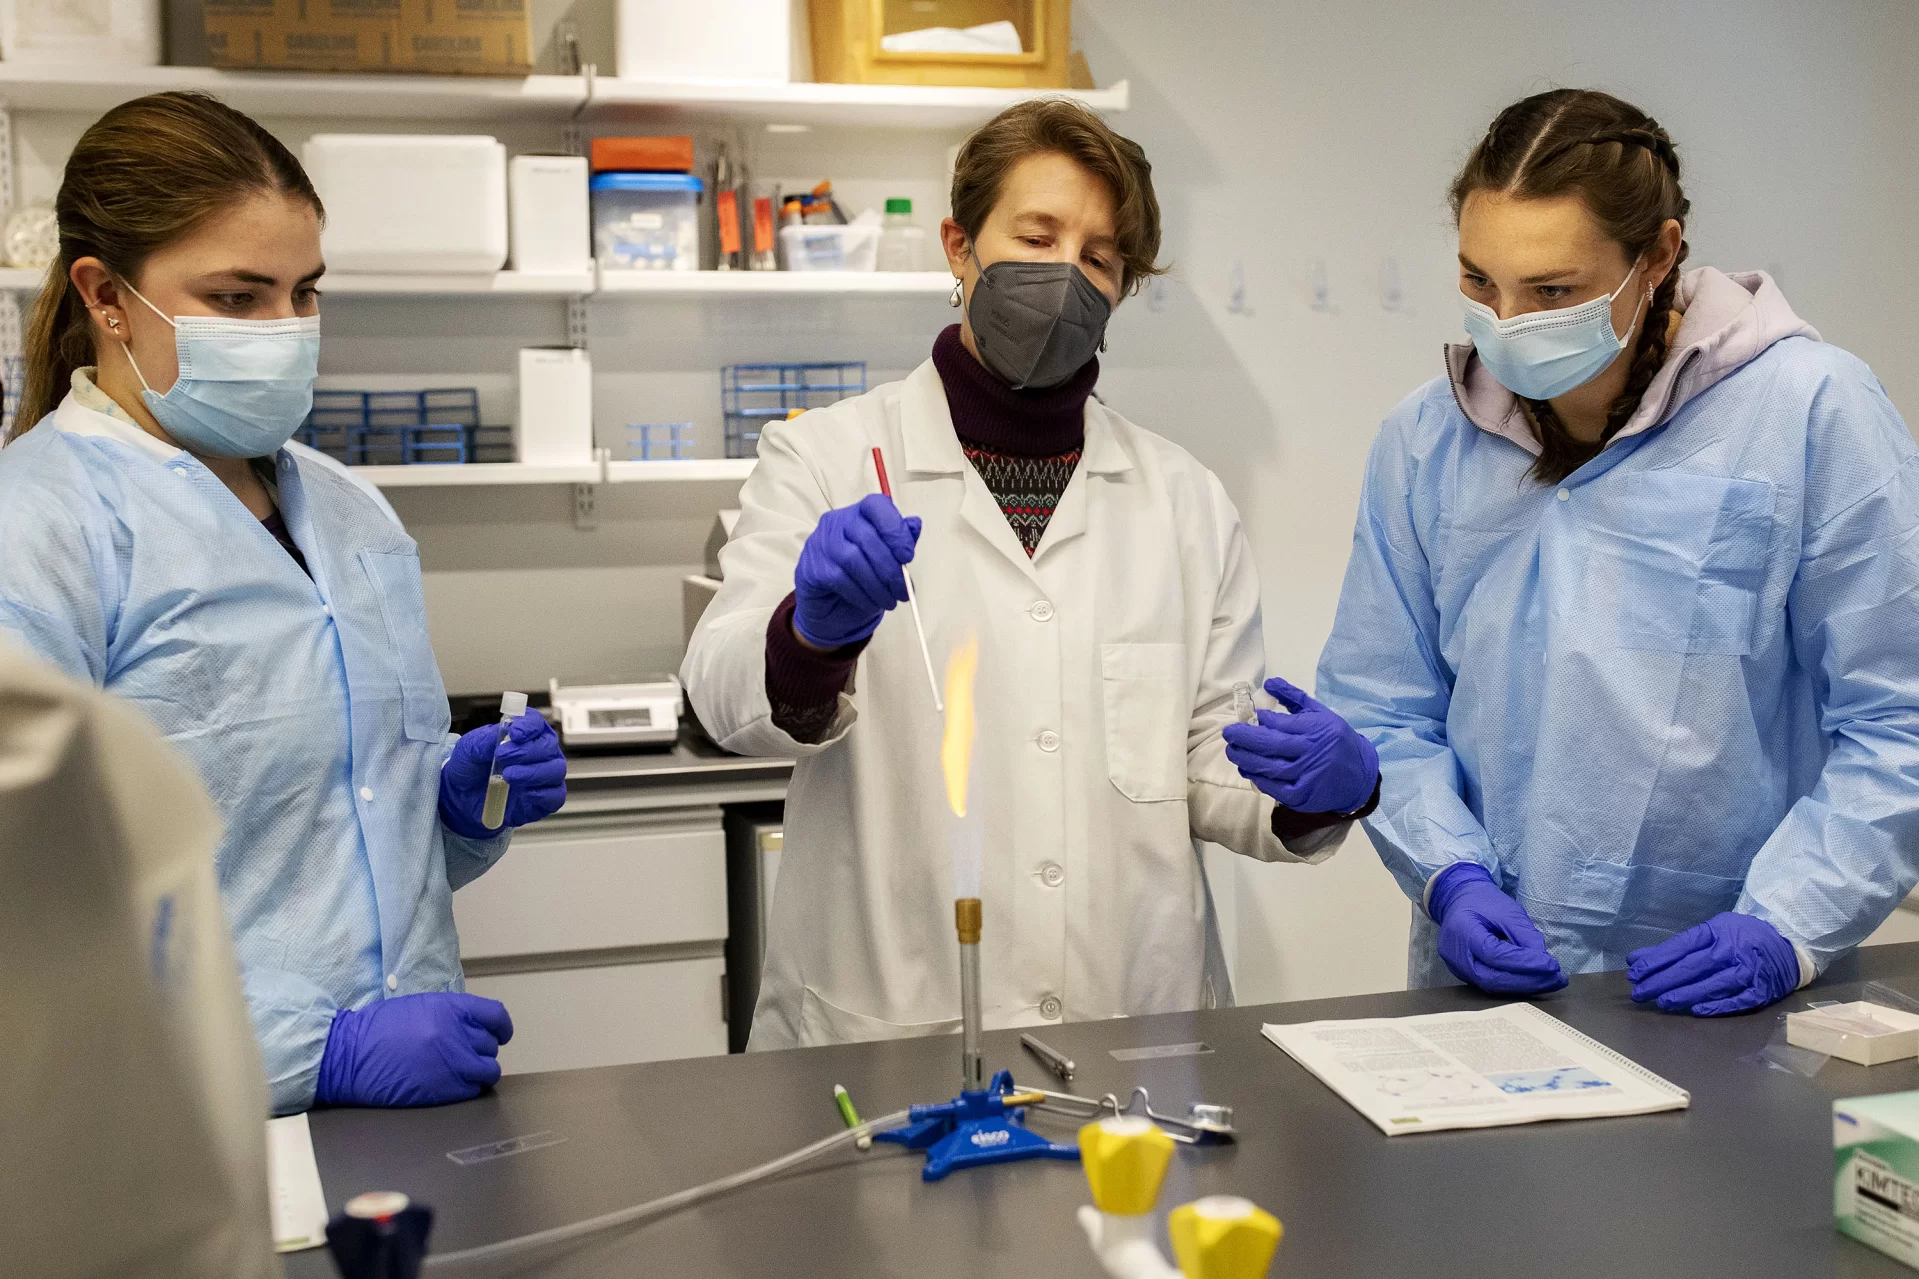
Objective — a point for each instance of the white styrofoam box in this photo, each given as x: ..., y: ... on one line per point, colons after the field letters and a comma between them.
x: 556, y: 406
x: 716, y: 39
x: 598, y: 888
x: 575, y: 1018
x: 1860, y: 1031
x: 400, y: 202
x: 80, y: 33
x: 550, y: 222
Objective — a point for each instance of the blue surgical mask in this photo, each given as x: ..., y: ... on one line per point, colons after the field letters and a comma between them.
x: 245, y: 386
x: 1543, y: 354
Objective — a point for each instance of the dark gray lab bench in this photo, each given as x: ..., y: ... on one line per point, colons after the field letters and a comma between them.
x: 1739, y: 1185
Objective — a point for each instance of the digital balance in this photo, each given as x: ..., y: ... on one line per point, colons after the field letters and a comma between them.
x: 646, y: 713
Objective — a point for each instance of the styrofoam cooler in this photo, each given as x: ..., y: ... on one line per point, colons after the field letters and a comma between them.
x: 551, y: 222
x: 715, y: 39
x: 555, y: 426
x: 410, y: 203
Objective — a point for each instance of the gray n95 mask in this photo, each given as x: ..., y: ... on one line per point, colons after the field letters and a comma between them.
x: 1036, y: 323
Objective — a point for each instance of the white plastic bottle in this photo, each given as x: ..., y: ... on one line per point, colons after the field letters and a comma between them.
x: 902, y: 245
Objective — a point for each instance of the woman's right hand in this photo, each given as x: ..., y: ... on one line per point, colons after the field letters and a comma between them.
x: 851, y: 572
x: 1487, y: 938
x: 414, y: 1050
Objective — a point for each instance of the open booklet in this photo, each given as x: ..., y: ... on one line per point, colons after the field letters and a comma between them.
x: 1508, y: 1065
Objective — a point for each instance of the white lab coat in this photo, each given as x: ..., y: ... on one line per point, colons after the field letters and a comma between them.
x: 1107, y: 663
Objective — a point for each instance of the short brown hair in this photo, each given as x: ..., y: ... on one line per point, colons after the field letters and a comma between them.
x: 1042, y: 125
x: 143, y: 175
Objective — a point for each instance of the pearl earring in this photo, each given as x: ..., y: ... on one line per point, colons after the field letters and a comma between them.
x: 958, y: 287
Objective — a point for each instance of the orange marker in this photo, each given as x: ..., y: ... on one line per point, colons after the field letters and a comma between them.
x: 912, y: 602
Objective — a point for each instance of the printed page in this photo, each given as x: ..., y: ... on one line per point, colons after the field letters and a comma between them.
x: 1508, y: 1065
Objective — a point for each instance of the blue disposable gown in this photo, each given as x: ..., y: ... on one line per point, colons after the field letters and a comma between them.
x: 1685, y: 680
x: 311, y: 707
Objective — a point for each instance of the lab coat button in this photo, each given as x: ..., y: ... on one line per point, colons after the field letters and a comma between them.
x: 180, y: 471
x: 1565, y: 495
x: 1052, y: 874
x: 366, y: 793
x: 1043, y: 611
x: 392, y: 982
x: 1049, y: 1008
x: 1049, y: 740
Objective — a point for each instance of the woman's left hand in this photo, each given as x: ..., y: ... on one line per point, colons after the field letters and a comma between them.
x: 529, y: 760
x: 1312, y: 761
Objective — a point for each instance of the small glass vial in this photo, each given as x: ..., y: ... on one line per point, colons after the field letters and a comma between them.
x: 1243, y: 708
x: 493, y: 816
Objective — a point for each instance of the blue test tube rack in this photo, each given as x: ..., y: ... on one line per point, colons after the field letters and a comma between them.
x: 440, y: 426
x: 659, y: 441
x: 753, y: 394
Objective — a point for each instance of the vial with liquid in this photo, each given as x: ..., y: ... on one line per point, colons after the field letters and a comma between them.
x: 493, y: 816
x: 1243, y: 708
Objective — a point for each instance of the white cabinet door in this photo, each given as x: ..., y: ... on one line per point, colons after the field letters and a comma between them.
x: 601, y: 883
x: 570, y: 1018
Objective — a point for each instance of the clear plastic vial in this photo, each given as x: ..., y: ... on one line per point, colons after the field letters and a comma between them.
x: 1243, y: 708
x: 493, y: 816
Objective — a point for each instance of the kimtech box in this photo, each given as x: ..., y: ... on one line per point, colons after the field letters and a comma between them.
x: 453, y: 37
x: 1875, y: 1185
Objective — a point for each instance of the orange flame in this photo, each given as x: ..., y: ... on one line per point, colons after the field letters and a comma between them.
x: 956, y: 748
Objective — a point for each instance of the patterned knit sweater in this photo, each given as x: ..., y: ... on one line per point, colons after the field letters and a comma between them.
x: 1025, y: 446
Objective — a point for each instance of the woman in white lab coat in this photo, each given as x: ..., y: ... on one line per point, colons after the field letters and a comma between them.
x: 1106, y: 578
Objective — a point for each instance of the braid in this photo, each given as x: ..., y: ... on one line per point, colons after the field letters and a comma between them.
x: 1648, y: 359
x: 1559, y: 453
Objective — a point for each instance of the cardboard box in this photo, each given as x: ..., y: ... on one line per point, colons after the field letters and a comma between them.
x: 1875, y: 1186
x: 452, y: 37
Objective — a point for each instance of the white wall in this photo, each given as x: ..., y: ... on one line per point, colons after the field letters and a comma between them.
x: 1285, y: 133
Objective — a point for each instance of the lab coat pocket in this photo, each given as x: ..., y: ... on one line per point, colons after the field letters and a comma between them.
x: 1679, y: 565
x: 824, y: 1022
x: 396, y: 584
x: 1148, y: 711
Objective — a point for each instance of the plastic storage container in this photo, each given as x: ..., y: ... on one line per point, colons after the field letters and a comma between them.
x: 646, y: 221
x: 902, y: 245
x: 830, y: 248
x: 410, y: 203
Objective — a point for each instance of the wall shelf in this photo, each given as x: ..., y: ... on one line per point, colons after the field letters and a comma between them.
x: 477, y: 473
x: 703, y: 468
x: 539, y: 97
x: 517, y: 283
x: 930, y: 284
x: 889, y: 106
x: 473, y: 474
x: 25, y: 87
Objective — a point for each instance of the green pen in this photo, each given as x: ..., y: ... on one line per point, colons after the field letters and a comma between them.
x: 844, y: 1101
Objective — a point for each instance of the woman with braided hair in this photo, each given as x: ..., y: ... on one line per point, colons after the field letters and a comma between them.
x: 1630, y: 611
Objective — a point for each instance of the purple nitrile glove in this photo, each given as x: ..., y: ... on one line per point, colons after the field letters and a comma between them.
x: 413, y: 1050
x: 1487, y: 938
x: 530, y: 761
x: 850, y: 574
x: 1311, y: 760
x: 1732, y: 963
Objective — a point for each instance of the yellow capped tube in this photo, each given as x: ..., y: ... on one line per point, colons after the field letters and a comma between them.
x: 1223, y: 1237
x: 1125, y: 1159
